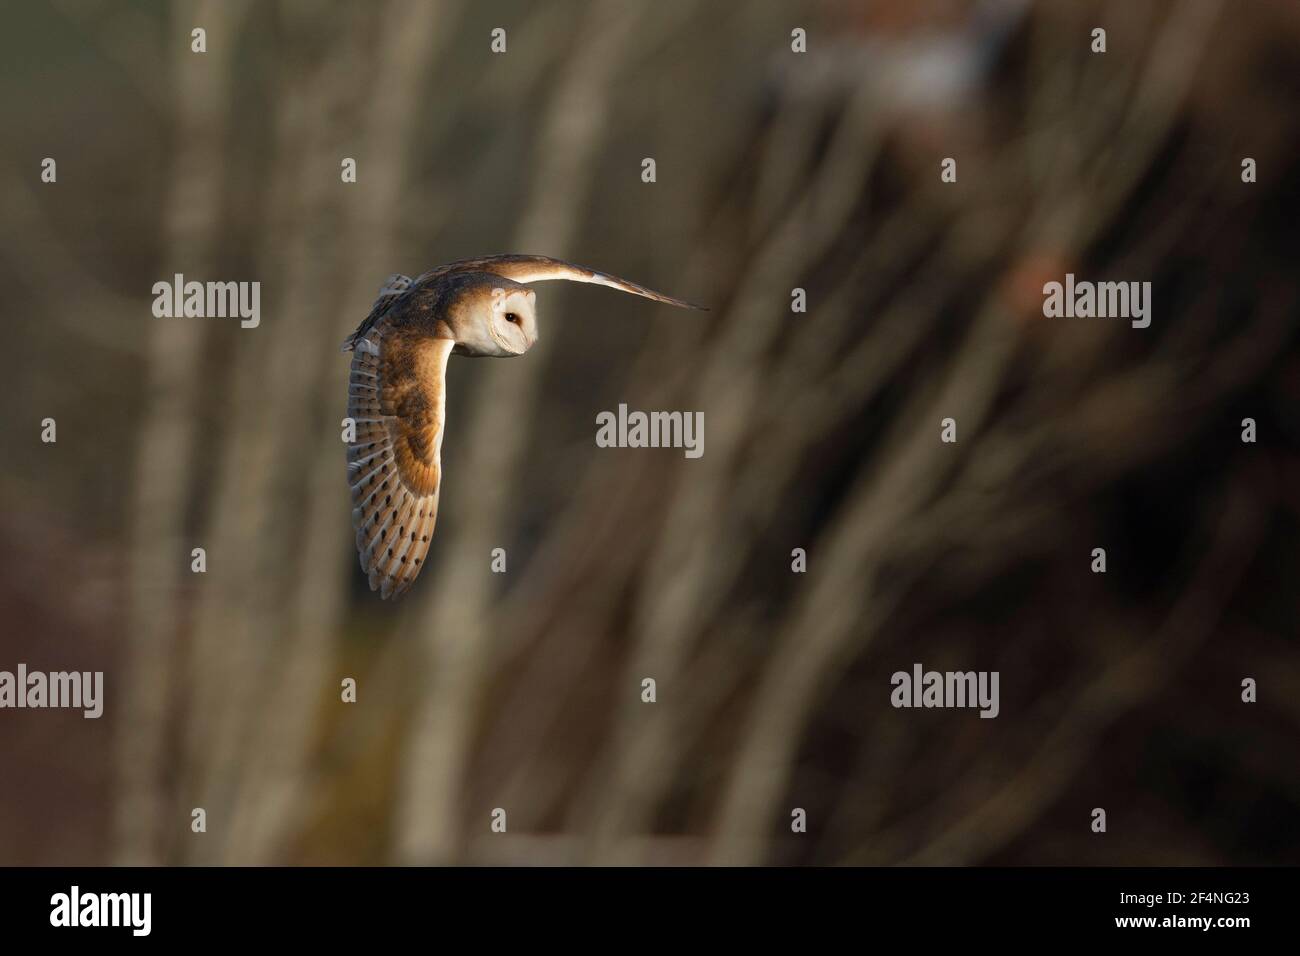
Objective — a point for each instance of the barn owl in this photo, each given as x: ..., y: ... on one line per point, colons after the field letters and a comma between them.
x: 397, y: 390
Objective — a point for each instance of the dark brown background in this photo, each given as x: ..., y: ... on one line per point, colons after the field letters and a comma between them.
x: 775, y: 170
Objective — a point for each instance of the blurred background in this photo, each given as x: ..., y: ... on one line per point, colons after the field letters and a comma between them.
x: 775, y: 170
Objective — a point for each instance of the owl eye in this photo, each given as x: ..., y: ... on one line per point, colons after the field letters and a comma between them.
x: 512, y: 317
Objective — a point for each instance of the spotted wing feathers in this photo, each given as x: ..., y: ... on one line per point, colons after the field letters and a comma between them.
x: 396, y: 397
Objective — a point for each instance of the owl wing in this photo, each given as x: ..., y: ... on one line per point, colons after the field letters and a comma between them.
x: 523, y: 269
x: 397, y: 398
x: 527, y: 269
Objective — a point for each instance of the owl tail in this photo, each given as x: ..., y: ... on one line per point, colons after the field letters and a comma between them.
x: 393, y: 286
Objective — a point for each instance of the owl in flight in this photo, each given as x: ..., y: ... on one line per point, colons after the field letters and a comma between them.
x: 397, y: 390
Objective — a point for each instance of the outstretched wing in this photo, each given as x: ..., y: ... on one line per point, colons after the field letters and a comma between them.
x: 397, y: 398
x: 543, y: 268
x: 523, y: 269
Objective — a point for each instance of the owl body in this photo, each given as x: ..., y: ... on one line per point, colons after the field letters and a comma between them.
x: 397, y: 391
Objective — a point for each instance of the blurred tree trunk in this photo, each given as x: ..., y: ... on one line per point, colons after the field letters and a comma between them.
x: 456, y: 628
x: 163, y: 472
x: 272, y: 799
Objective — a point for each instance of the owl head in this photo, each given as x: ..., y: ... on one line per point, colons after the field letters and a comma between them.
x: 492, y: 316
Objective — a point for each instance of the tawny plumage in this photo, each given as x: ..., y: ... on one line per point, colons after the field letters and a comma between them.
x: 397, y: 390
